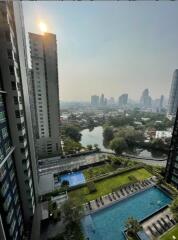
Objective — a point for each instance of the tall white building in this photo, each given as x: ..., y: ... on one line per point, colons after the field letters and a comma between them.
x: 44, y: 81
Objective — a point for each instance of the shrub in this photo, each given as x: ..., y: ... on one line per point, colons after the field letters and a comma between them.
x: 65, y: 183
x: 132, y: 178
x: 91, y: 187
x: 174, y: 209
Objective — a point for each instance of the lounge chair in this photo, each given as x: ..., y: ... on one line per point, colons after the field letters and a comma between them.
x: 97, y: 203
x: 158, y: 228
x: 117, y: 194
x: 153, y: 232
x: 110, y: 198
x: 90, y: 207
x: 113, y: 196
x: 101, y: 200
x: 168, y: 221
x: 162, y: 225
x: 122, y: 192
x: 126, y: 190
x: 171, y: 219
x: 167, y: 224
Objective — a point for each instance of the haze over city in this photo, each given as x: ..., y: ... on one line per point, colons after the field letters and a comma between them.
x: 109, y: 47
x: 88, y: 120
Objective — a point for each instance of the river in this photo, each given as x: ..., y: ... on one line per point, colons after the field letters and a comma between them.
x: 95, y: 136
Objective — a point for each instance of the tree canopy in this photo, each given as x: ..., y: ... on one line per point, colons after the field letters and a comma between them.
x: 73, y: 132
x: 118, y: 144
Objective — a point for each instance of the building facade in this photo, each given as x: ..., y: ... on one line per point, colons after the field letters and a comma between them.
x: 44, y: 81
x: 16, y: 130
x: 95, y: 100
x: 145, y: 100
x: 123, y: 100
x: 173, y: 96
x: 172, y: 163
x: 11, y: 220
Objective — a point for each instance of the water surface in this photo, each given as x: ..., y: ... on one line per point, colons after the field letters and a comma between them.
x: 109, y: 223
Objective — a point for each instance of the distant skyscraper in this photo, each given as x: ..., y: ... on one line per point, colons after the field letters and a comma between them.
x: 45, y: 87
x: 18, y: 172
x: 161, y: 102
x: 173, y: 96
x: 111, y: 101
x: 172, y: 163
x: 102, y: 100
x: 95, y: 100
x: 123, y: 99
x: 105, y: 101
x: 145, y: 100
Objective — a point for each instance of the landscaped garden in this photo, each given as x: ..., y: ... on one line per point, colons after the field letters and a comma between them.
x: 169, y: 235
x: 97, y: 171
x: 107, y: 185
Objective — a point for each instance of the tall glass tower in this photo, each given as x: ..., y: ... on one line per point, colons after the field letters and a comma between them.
x: 18, y: 172
x: 173, y: 96
x: 172, y: 163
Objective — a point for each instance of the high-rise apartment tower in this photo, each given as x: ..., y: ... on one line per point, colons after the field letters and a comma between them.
x: 173, y: 96
x: 18, y: 171
x: 172, y: 162
x: 44, y: 79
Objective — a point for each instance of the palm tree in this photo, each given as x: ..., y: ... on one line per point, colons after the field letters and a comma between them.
x: 133, y: 226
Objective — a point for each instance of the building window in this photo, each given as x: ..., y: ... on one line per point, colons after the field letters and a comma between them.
x: 20, y: 99
x: 7, y: 36
x: 20, y: 126
x: 2, y: 117
x: 13, y: 85
x: 11, y: 69
x: 9, y: 162
x: 1, y: 155
x: 1, y: 99
x: 18, y: 86
x: 22, y: 138
x: 7, y: 147
x: 17, y: 114
x: 2, y: 170
x: 7, y: 202
x: 15, y: 100
x: 9, y: 54
x: 4, y: 132
x: 4, y: 188
x: 22, y: 150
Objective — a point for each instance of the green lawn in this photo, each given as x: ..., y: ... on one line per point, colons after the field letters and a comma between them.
x: 105, y: 186
x: 169, y: 234
x: 97, y: 171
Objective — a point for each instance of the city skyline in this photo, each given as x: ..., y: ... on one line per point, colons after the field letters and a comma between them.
x: 93, y: 43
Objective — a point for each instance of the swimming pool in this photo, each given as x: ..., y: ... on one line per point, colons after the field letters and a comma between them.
x: 109, y: 223
x: 74, y: 178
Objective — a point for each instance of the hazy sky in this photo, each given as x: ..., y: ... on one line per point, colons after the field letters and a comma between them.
x: 110, y: 47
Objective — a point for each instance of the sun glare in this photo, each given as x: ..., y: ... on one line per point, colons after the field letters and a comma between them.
x: 43, y: 27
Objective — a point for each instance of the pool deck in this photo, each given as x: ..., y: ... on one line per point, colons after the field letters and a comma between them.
x: 158, y: 224
x: 115, y: 197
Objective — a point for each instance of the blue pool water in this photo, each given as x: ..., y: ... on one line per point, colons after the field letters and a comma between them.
x: 108, y: 224
x: 74, y: 178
